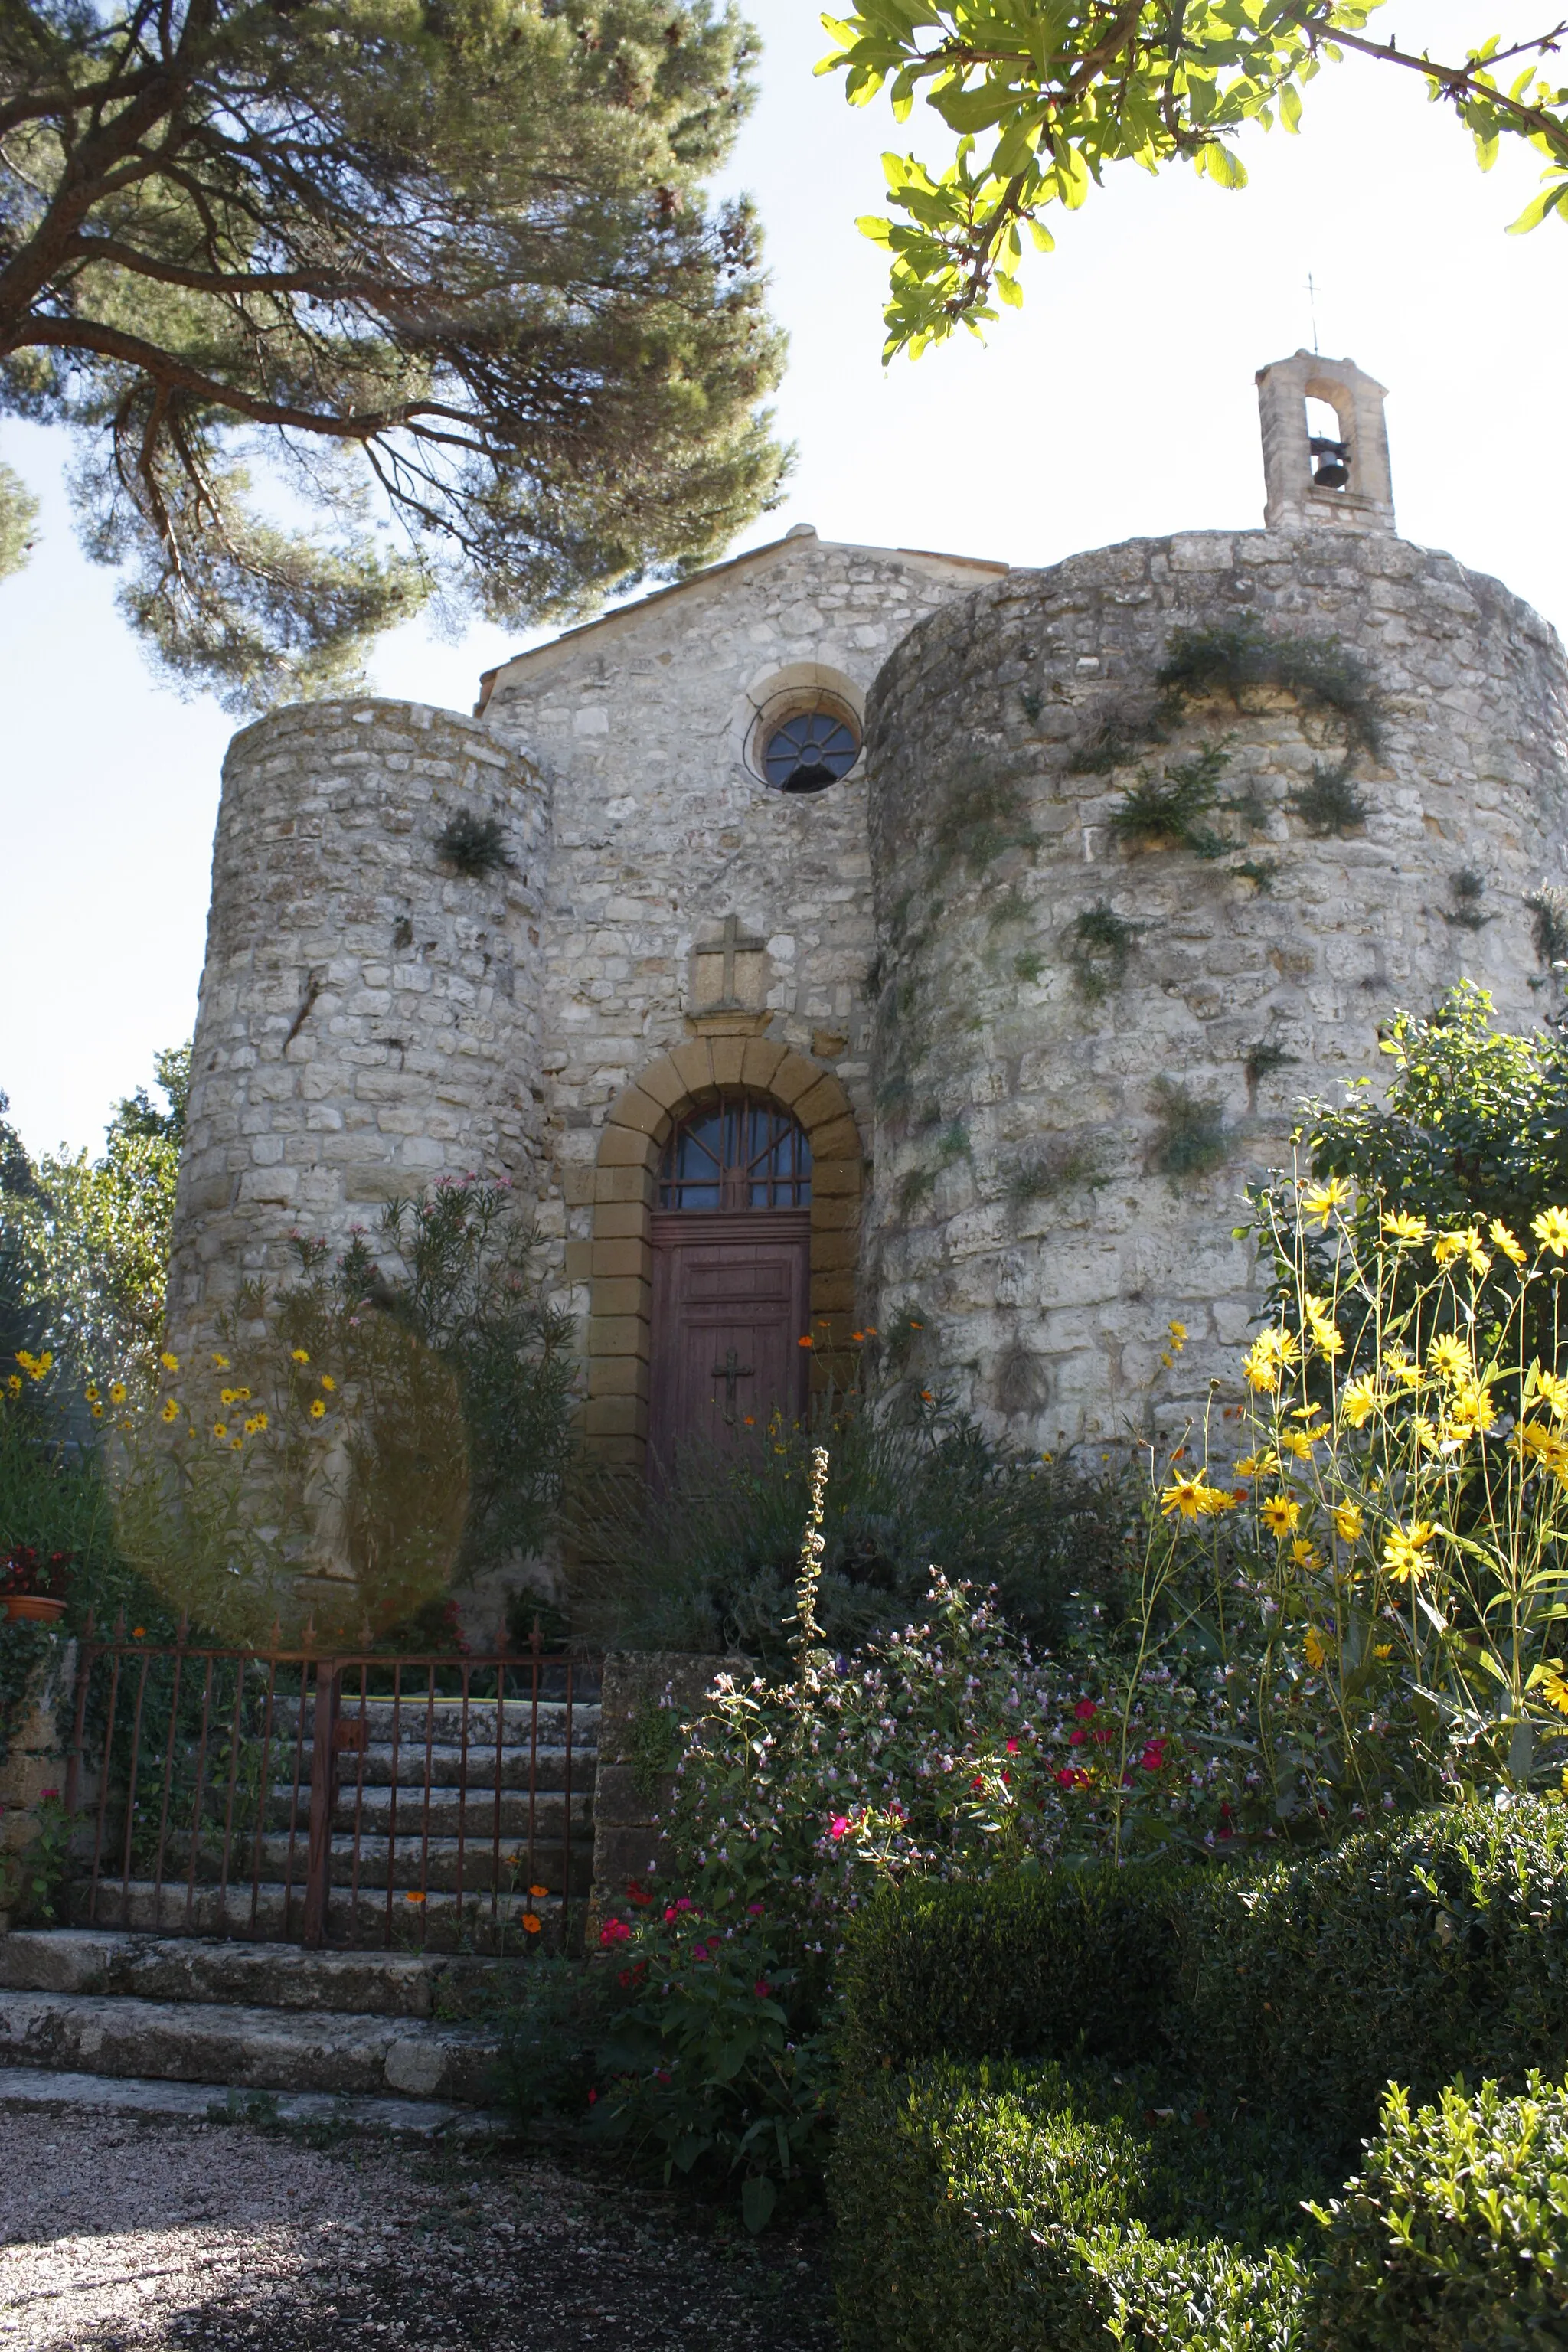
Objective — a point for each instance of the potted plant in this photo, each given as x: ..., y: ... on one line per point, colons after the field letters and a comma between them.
x: 32, y: 1587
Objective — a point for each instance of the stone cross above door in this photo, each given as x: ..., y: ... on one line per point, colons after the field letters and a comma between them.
x: 728, y: 981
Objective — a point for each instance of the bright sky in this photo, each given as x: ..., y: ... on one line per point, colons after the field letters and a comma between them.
x: 1119, y: 402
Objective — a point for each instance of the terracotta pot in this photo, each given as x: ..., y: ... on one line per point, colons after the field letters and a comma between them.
x: 36, y: 1605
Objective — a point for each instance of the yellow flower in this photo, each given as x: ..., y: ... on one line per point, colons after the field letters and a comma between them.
x: 260, y: 1421
x: 328, y: 1382
x: 90, y: 1393
x: 1194, y: 1497
x: 242, y: 1396
x: 98, y: 1412
x: 1279, y: 1515
x: 1321, y: 1324
x: 1321, y: 1201
x: 1359, y: 1401
x: 1424, y: 1431
x: 1472, y: 1413
x: 1178, y: 1332
x: 226, y: 1396
x: 169, y: 1363
x: 1449, y: 1356
x: 251, y: 1426
x: 1347, y: 1520
x: 13, y: 1384
x: 1551, y: 1388
x: 1404, y: 1227
x: 1317, y: 1655
x: 171, y: 1409
x: 116, y: 1392
x: 1554, y: 1688
x: 1508, y: 1243
x: 220, y: 1429
x: 1406, y: 1553
x: 1270, y: 1353
x: 236, y: 1444
x: 317, y: 1410
x: 1464, y: 1244
x: 1383, y: 1649
x: 1297, y: 1442
x: 1551, y: 1229
x: 300, y: 1355
x: 1304, y: 1554
x: 221, y: 1363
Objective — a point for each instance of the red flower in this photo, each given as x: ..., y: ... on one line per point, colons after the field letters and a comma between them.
x: 1077, y: 1738
x: 1153, y: 1757
x: 977, y: 1782
x: 614, y: 1931
x: 1011, y: 1747
x: 1070, y: 1778
x: 635, y: 1894
x: 1104, y: 1738
x: 761, y: 1988
x: 1085, y: 1708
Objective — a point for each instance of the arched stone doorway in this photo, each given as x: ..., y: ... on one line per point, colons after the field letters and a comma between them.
x: 621, y: 1333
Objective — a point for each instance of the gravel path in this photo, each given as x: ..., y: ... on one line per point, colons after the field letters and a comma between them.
x: 120, y: 2232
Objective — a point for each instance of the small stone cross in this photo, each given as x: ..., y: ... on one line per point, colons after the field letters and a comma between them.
x: 730, y: 942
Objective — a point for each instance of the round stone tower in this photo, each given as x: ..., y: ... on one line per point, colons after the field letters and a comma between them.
x: 1161, y: 835
x: 369, y: 1010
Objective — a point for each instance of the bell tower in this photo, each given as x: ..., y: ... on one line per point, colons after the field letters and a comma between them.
x: 1316, y: 479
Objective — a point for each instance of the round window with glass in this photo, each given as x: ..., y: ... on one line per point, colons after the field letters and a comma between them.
x: 810, y: 752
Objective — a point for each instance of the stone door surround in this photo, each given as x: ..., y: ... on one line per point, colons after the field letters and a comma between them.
x: 620, y: 1325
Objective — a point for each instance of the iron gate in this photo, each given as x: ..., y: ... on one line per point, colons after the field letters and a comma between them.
x: 435, y: 1801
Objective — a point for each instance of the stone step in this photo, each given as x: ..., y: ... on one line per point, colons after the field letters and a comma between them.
x: 479, y: 1924
x: 443, y: 1862
x: 195, y: 1968
x: 33, y: 2086
x: 417, y: 1717
x: 445, y: 1766
x: 475, y: 1812
x: 246, y: 2048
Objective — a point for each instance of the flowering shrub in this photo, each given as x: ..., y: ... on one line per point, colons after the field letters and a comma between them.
x: 1395, y: 1508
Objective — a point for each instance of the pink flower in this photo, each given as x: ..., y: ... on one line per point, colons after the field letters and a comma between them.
x: 761, y: 1988
x: 839, y: 1825
x: 1070, y: 1778
x: 755, y: 1910
x: 614, y: 1931
x: 1085, y: 1708
x: 1011, y: 1747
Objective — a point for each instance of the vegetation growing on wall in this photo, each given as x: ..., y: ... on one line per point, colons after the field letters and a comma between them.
x: 1549, y: 909
x: 1101, y: 943
x: 1331, y: 803
x: 476, y: 845
x: 1190, y: 1135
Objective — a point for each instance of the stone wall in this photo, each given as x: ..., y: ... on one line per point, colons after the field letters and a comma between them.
x: 1026, y: 1071
x: 691, y: 908
x: 369, y: 1015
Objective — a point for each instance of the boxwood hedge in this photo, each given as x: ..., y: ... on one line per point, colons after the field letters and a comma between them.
x: 1095, y: 2101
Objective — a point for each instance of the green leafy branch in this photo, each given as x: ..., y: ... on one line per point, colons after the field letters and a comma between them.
x: 1043, y: 95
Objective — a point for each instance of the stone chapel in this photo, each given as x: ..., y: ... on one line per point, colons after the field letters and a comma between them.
x: 805, y: 942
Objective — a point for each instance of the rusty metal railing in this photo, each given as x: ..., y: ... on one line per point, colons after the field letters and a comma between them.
x: 410, y: 1802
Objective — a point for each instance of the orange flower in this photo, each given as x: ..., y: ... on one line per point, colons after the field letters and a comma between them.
x: 857, y: 1336
x: 137, y: 1632
x: 806, y: 1342
x: 414, y: 1896
x: 532, y: 1924
x: 539, y: 1890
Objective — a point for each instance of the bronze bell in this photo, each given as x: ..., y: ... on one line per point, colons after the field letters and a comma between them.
x: 1332, y: 470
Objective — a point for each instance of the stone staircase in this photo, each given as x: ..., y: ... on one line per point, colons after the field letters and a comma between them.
x: 184, y: 2024
x: 191, y: 1991
x: 443, y: 1821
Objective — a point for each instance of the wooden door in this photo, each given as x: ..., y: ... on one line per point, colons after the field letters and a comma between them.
x: 732, y: 1301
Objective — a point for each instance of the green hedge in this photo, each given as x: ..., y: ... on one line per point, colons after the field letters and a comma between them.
x: 991, y: 2209
x: 1435, y: 1946
x: 1138, y: 2176
x: 1456, y: 2232
x: 1049, y: 1966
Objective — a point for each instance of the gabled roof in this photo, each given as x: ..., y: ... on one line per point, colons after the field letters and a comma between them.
x: 767, y: 553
